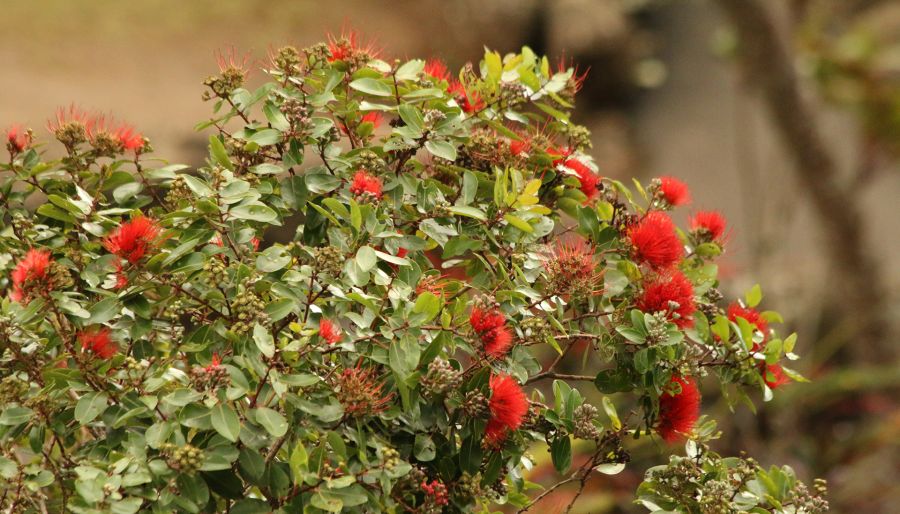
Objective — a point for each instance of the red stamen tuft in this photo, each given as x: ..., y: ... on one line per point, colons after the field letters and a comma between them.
x: 655, y: 241
x: 366, y: 184
x: 678, y: 413
x: 133, y: 239
x: 98, y: 342
x: 329, y: 331
x: 674, y: 191
x: 660, y: 293
x: 508, y: 406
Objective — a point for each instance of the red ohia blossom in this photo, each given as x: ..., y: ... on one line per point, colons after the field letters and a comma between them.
x: 329, y: 332
x: 31, y: 271
x: 17, y: 140
x: 215, y: 362
x: 469, y: 101
x: 520, y: 146
x: 588, y: 179
x: 347, y: 46
x: 133, y: 239
x: 774, y: 376
x: 709, y: 224
x: 437, y: 69
x: 98, y: 342
x: 375, y: 118
x: 666, y: 288
x: 72, y: 114
x: 674, y: 191
x: 360, y: 392
x: 736, y: 310
x: 508, y: 406
x: 655, y: 241
x: 678, y: 412
x: 490, y: 325
x: 128, y: 136
x: 366, y: 184
x: 559, y: 154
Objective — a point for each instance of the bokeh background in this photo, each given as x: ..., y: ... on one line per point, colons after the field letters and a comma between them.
x: 670, y: 91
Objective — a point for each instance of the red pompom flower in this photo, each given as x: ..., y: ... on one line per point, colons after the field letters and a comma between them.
x: 588, y: 179
x: 29, y: 274
x: 674, y: 191
x: 655, y: 241
x: 709, y: 225
x: 671, y: 293
x: 366, y: 184
x: 329, y: 331
x: 736, y: 310
x: 678, y: 413
x: 508, y: 406
x: 98, y: 342
x: 437, y: 69
x: 133, y: 239
x: 469, y: 101
x: 17, y: 140
x: 774, y: 376
x: 490, y: 325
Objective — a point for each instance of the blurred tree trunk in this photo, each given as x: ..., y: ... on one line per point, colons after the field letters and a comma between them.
x: 859, y: 294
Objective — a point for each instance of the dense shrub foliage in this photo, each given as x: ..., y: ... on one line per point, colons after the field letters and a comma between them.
x: 349, y: 306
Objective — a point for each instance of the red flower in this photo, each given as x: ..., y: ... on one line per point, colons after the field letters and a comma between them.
x: 518, y: 147
x: 586, y: 177
x: 709, y: 224
x: 215, y: 362
x: 30, y: 272
x: 483, y: 319
x: 360, y: 393
x: 374, y: 117
x: 437, y: 69
x: 72, y: 115
x: 559, y: 154
x: 576, y: 81
x: 133, y: 239
x: 98, y: 342
x: 775, y: 377
x: 736, y: 310
x: 254, y: 242
x: 664, y: 289
x: 508, y: 406
x: 121, y: 277
x: 469, y: 101
x: 678, y: 412
x: 655, y: 241
x: 490, y: 325
x: 17, y: 140
x: 128, y: 136
x: 347, y: 46
x: 434, y: 284
x: 329, y: 332
x: 497, y: 341
x: 674, y: 191
x: 365, y: 184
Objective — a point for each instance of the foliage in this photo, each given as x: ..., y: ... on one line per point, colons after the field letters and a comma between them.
x: 379, y: 351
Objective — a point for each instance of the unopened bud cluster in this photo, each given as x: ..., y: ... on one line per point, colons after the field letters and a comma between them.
x: 12, y: 389
x: 474, y: 404
x: 584, y: 416
x: 440, y: 378
x: 185, y: 459
x: 329, y: 260
x: 215, y: 272
x: 248, y: 309
x: 178, y: 191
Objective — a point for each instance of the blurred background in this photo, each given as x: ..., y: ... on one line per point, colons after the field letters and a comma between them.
x: 783, y: 114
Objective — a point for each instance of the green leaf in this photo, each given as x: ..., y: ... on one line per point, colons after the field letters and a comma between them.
x: 272, y: 259
x: 366, y: 258
x: 274, y: 423
x: 561, y: 453
x: 471, y: 212
x: 103, y: 311
x: 265, y: 137
x: 263, y: 340
x: 519, y: 223
x: 90, y: 406
x: 442, y: 149
x: 226, y: 422
x: 754, y: 296
x: 13, y: 416
x: 219, y: 155
x: 423, y: 448
x: 255, y: 212
x: 428, y: 305
x: 372, y: 86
